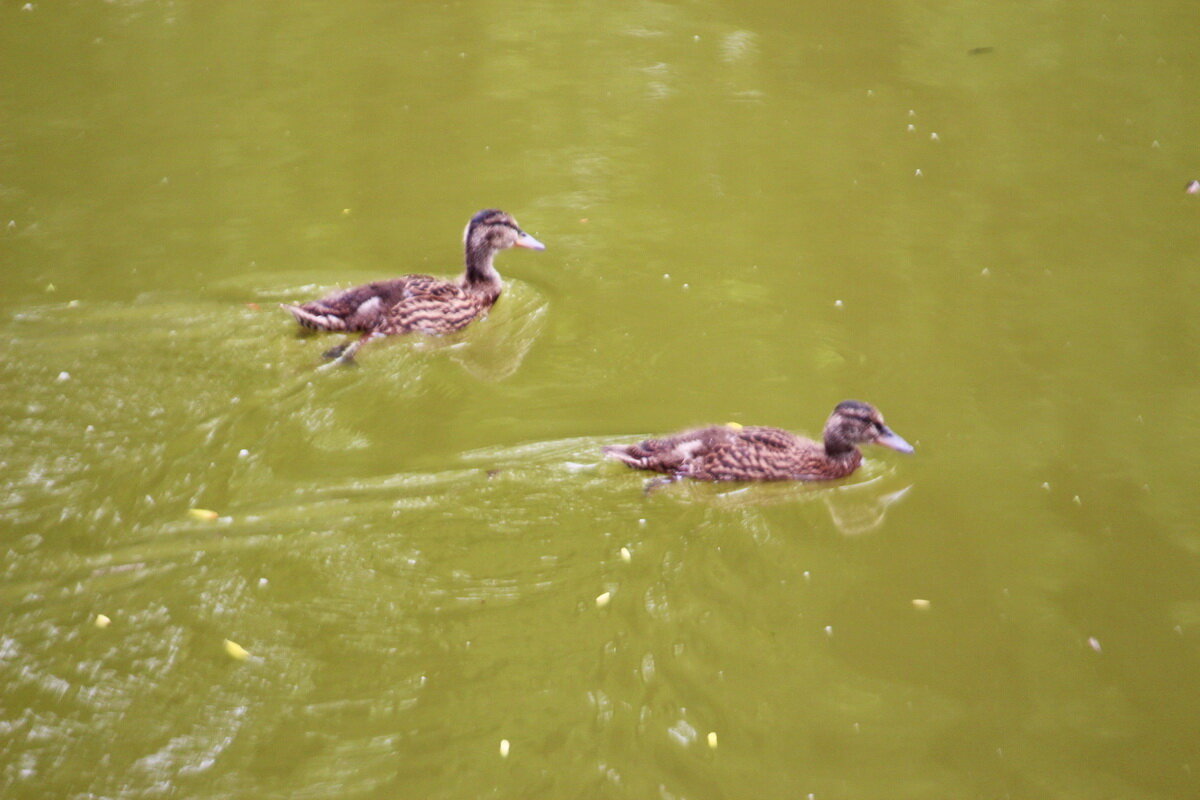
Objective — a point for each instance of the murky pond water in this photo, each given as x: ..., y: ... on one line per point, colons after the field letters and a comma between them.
x: 971, y: 215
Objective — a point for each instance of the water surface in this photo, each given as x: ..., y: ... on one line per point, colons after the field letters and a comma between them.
x: 971, y: 215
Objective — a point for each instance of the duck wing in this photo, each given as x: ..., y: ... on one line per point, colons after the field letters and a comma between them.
x: 676, y: 454
x: 362, y: 308
x: 755, y: 454
x: 433, y: 306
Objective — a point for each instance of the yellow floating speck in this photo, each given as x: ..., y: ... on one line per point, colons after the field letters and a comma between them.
x: 202, y: 513
x: 504, y: 748
x: 920, y: 604
x: 626, y: 556
x: 50, y: 287
x: 235, y: 650
x: 603, y: 599
x: 737, y: 426
x: 101, y: 621
x: 345, y: 212
x: 712, y: 739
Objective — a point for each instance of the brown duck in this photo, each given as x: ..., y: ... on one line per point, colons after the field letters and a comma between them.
x: 736, y: 453
x: 421, y: 303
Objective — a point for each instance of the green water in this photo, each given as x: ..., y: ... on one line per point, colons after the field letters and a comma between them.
x: 753, y: 211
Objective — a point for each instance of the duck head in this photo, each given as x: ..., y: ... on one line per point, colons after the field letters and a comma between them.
x: 489, y: 231
x: 492, y: 229
x: 854, y: 422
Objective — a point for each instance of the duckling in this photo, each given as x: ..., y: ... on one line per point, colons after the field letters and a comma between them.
x: 735, y: 453
x: 421, y: 303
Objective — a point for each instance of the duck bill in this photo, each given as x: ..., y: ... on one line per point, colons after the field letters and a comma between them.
x: 895, y: 442
x: 527, y: 241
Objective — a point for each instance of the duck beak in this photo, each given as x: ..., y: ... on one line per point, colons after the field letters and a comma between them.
x: 525, y: 240
x: 897, y: 443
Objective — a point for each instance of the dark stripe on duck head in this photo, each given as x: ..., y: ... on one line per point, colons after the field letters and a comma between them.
x: 856, y: 406
x: 491, y: 216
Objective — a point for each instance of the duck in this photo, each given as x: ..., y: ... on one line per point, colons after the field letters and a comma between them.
x: 421, y: 303
x: 752, y: 453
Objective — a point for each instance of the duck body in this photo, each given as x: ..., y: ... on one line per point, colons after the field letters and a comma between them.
x: 423, y: 303
x: 736, y: 453
x: 412, y: 304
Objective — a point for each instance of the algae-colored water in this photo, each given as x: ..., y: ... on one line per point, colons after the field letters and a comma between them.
x: 969, y: 214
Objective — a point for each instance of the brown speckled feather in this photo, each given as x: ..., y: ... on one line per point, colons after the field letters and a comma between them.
x: 435, y: 306
x: 724, y: 453
x: 362, y: 308
x: 422, y: 303
x: 736, y: 453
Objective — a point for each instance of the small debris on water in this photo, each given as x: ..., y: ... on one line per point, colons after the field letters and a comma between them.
x: 979, y: 51
x: 1193, y: 187
x: 504, y: 748
x: 1155, y: 144
x: 911, y: 127
x: 985, y: 271
x: 626, y: 556
x: 829, y: 630
x: 920, y: 604
x: 345, y: 212
x: 64, y: 376
x: 208, y: 515
x: 50, y: 287
x: 583, y: 220
x: 1094, y: 643
x: 243, y: 453
x: 254, y: 306
x: 102, y: 621
x: 1076, y: 500
x: 807, y: 575
x: 666, y: 276
x: 934, y: 137
x: 918, y: 173
x: 712, y: 740
x: 1046, y: 485
x: 737, y: 426
x: 262, y: 583
x: 603, y: 599
x: 912, y: 112
x: 837, y: 303
x: 235, y: 650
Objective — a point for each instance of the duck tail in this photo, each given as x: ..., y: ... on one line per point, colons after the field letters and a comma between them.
x: 321, y: 322
x: 627, y: 454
